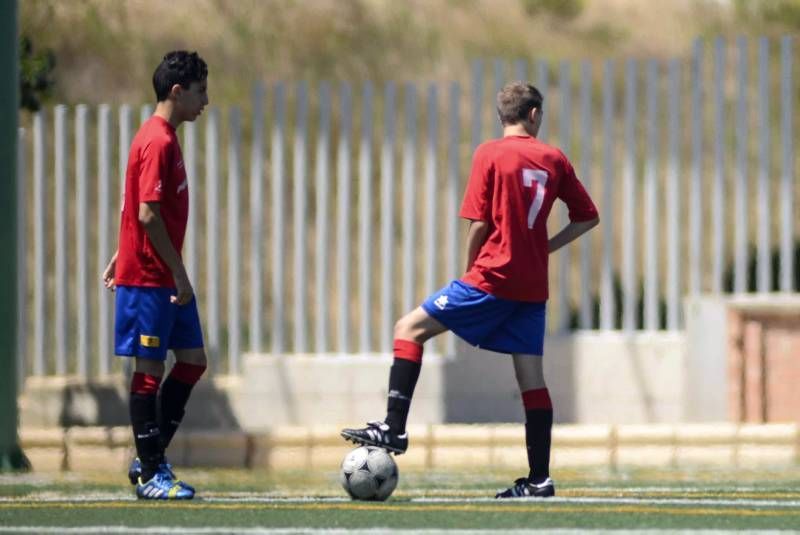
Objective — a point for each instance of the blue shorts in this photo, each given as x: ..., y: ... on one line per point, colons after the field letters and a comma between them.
x: 489, y: 322
x: 147, y: 324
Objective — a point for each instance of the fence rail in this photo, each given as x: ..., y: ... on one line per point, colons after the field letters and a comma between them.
x: 323, y: 251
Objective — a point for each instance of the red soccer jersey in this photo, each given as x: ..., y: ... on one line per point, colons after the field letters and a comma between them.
x: 513, y: 184
x: 155, y: 173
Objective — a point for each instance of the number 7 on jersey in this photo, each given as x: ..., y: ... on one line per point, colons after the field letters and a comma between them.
x: 529, y: 176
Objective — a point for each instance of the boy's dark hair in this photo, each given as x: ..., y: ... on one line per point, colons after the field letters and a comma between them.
x: 178, y: 67
x: 516, y: 100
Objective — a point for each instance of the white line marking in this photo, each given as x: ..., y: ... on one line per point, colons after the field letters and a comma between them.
x: 623, y: 501
x: 294, y: 531
x: 589, y: 500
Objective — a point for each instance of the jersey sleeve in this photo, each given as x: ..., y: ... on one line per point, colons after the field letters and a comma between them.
x: 575, y: 196
x: 154, y: 169
x: 477, y: 202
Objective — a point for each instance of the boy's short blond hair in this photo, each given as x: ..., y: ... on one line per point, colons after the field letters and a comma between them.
x: 516, y: 100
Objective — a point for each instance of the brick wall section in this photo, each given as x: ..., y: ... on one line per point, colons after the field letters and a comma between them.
x: 764, y: 363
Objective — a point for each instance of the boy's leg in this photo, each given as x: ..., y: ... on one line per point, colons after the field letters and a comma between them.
x: 538, y: 414
x: 190, y: 364
x: 186, y: 341
x: 410, y: 332
x: 143, y: 412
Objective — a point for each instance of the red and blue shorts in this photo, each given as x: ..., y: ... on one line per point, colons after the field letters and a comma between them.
x: 147, y: 324
x: 489, y: 322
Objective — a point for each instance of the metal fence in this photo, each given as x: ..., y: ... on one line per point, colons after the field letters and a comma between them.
x: 321, y: 253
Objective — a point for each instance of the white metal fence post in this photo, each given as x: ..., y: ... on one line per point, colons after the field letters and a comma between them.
x: 741, y: 198
x: 40, y: 332
x: 476, y: 105
x: 607, y: 298
x: 431, y: 202
x: 257, y: 220
x: 343, y: 179
x: 498, y: 81
x: 278, y: 222
x: 212, y: 239
x: 81, y: 238
x: 764, y: 150
x: 22, y: 258
x: 322, y: 178
x: 543, y: 85
x: 105, y: 230
x: 365, y: 221
x: 673, y: 192
x: 61, y: 222
x: 565, y: 254
x: 652, y: 223
x: 696, y: 172
x: 452, y: 268
x: 189, y: 150
x: 388, y: 218
x: 718, y: 191
x: 299, y: 206
x: 585, y: 317
x: 788, y: 165
x: 234, y: 241
x: 630, y: 234
x: 409, y: 198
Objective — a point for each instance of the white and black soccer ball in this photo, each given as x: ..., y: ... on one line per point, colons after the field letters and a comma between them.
x: 369, y: 473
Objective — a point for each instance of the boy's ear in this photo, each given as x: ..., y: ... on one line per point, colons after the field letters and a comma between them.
x: 175, y: 91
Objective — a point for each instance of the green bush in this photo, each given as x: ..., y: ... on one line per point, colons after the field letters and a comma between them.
x: 561, y: 9
x: 36, y: 78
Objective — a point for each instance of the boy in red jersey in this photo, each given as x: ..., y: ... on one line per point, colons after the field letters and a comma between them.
x: 155, y: 305
x: 499, y: 303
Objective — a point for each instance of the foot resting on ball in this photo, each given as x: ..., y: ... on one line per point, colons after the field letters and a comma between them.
x: 380, y: 435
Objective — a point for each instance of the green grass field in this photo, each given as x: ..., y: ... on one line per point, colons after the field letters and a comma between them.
x: 252, y: 502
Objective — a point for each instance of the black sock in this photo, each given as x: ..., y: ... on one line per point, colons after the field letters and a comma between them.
x: 146, y: 434
x: 538, y: 428
x: 402, y: 380
x: 175, y: 392
x: 174, y: 395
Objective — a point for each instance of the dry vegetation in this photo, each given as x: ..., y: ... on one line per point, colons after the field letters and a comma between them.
x: 106, y: 49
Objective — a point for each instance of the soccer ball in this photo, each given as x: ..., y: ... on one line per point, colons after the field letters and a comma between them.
x: 369, y: 473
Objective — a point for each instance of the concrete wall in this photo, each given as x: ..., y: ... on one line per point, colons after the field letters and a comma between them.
x: 594, y: 377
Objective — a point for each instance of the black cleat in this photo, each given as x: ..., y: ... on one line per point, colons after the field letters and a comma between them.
x: 378, y: 434
x: 523, y: 488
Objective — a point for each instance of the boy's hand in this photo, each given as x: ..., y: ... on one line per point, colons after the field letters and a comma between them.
x: 183, y: 287
x: 108, y: 274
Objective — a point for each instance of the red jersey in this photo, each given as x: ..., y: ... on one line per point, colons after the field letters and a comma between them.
x: 512, y: 186
x: 155, y: 173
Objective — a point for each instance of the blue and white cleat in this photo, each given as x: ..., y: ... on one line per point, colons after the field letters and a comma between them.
x: 135, y: 472
x: 162, y: 487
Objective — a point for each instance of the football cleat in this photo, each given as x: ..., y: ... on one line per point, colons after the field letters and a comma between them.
x: 162, y: 487
x: 523, y: 488
x: 378, y: 434
x: 135, y: 472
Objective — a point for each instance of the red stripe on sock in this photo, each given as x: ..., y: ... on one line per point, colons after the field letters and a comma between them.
x: 142, y: 383
x: 187, y: 373
x: 537, y: 399
x: 408, y: 350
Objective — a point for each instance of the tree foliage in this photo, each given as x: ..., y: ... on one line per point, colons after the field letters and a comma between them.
x: 36, y: 78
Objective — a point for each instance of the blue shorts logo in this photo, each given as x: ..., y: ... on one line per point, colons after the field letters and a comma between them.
x: 441, y: 302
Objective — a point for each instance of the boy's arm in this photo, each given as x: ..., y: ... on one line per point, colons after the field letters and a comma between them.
x: 476, y: 235
x: 583, y: 215
x: 150, y: 218
x: 570, y: 233
x: 110, y: 272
